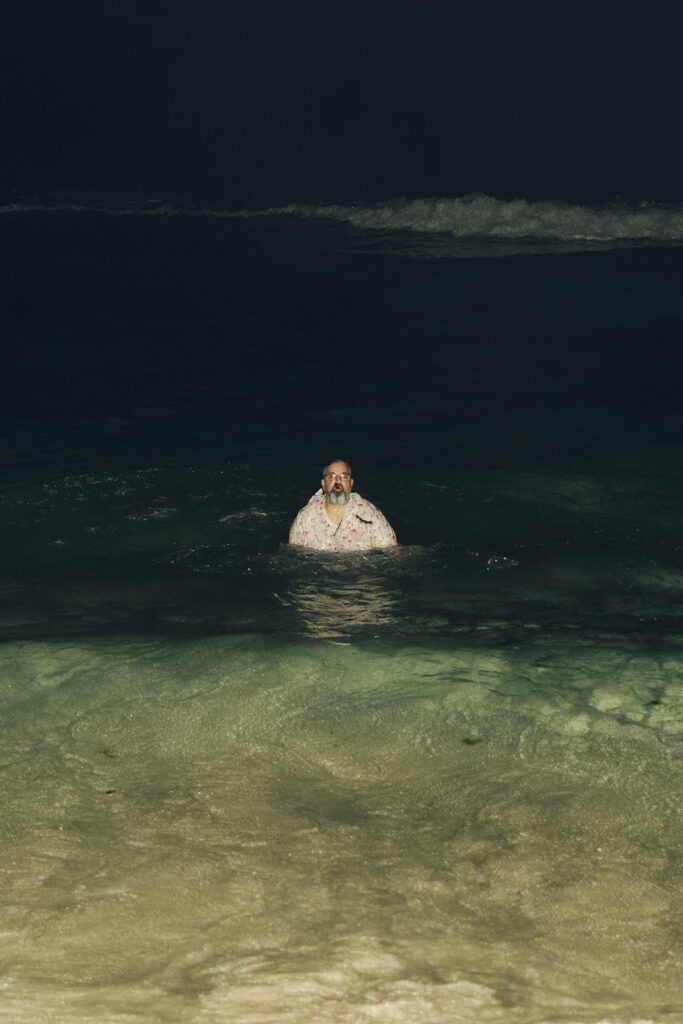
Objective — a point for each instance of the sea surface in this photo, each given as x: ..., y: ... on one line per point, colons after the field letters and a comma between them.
x: 249, y: 784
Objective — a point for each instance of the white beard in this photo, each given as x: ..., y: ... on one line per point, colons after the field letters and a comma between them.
x: 337, y: 497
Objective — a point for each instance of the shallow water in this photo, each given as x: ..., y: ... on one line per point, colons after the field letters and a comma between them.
x: 205, y: 828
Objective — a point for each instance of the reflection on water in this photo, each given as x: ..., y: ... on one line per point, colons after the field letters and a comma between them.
x: 334, y: 596
x: 334, y: 613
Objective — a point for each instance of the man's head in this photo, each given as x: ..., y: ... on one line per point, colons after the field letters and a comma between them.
x: 337, y: 482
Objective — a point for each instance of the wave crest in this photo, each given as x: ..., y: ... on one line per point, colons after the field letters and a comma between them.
x: 468, y: 226
x: 484, y: 216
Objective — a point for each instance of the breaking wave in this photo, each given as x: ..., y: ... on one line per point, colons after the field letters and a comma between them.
x: 430, y: 227
x: 481, y: 215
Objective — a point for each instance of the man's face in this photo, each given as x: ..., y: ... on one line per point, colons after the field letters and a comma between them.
x: 337, y: 483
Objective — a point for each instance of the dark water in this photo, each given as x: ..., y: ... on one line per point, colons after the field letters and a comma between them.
x: 243, y: 783
x: 258, y: 339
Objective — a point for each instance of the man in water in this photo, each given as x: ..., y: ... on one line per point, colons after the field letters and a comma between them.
x: 337, y: 519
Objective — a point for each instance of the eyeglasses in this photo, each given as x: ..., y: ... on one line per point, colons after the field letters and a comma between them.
x: 343, y: 477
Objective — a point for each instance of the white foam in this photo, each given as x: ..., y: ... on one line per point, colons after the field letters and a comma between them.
x: 360, y: 984
x: 475, y: 217
x: 485, y: 216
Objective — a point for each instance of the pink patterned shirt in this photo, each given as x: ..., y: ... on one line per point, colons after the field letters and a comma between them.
x: 363, y: 527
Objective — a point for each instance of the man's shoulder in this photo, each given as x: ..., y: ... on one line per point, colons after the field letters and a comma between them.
x: 314, y: 502
x: 359, y: 502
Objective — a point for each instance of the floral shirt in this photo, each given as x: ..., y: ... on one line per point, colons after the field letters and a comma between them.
x: 362, y: 527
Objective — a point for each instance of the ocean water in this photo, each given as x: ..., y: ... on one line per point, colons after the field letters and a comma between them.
x: 243, y: 783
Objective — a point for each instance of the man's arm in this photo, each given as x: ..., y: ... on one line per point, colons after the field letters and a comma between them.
x: 296, y: 535
x: 383, y: 535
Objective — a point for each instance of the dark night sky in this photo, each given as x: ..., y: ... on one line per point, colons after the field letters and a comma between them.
x: 575, y: 101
